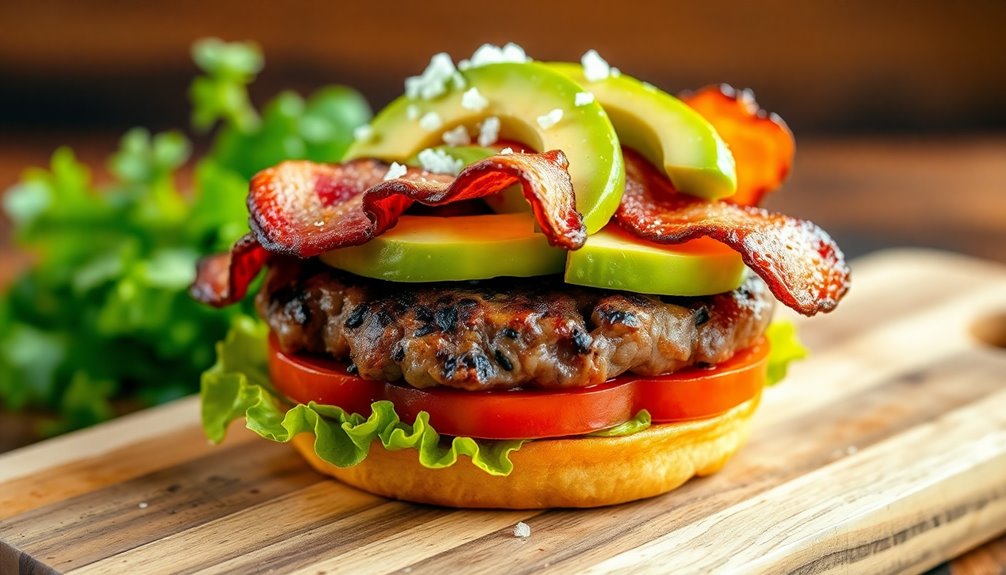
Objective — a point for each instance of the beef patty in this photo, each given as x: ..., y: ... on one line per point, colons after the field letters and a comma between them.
x: 504, y: 333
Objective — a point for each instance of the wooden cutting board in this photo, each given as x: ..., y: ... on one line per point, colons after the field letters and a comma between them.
x: 884, y: 452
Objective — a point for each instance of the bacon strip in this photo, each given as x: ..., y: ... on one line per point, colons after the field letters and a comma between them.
x: 799, y: 261
x: 304, y: 209
x: 223, y: 279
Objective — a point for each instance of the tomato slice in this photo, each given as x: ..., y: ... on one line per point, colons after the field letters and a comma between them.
x: 692, y: 393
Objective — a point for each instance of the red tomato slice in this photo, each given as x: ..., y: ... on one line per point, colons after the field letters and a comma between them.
x: 693, y: 393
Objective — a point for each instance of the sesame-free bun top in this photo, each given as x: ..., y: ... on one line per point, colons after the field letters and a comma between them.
x: 572, y: 472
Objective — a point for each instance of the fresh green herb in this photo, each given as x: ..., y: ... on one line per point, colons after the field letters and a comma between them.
x: 102, y: 319
x: 319, y: 128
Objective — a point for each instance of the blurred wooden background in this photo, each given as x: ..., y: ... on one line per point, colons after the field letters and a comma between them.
x: 856, y: 65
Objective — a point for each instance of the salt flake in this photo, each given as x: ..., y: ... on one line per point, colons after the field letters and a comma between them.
x: 439, y: 162
x: 550, y: 119
x: 431, y: 122
x: 474, y: 100
x: 457, y: 137
x: 433, y: 81
x: 364, y: 133
x: 583, y: 98
x: 595, y: 67
x: 492, y: 54
x: 395, y: 170
x: 489, y: 131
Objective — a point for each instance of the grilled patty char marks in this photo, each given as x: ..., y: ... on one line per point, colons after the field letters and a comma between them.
x: 503, y: 334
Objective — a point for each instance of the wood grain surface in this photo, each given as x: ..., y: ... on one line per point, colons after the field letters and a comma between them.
x: 884, y: 452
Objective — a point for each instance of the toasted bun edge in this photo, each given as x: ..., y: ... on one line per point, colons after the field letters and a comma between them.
x: 568, y: 472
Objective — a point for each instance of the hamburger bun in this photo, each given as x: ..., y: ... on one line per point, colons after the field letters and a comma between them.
x: 572, y: 472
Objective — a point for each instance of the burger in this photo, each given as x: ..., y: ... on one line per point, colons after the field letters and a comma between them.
x: 527, y: 285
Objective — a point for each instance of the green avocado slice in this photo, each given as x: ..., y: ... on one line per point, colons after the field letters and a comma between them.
x: 431, y: 249
x: 665, y: 130
x: 613, y: 259
x: 518, y: 94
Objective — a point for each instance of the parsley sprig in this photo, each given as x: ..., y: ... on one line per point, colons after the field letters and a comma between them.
x: 102, y: 319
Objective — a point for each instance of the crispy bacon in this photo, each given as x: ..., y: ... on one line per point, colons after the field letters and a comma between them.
x: 222, y: 279
x: 761, y: 142
x: 798, y: 260
x: 304, y: 209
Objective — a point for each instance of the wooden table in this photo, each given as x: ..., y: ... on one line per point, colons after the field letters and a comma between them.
x: 869, y: 193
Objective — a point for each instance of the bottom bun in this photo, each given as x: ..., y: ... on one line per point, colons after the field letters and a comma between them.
x: 573, y: 472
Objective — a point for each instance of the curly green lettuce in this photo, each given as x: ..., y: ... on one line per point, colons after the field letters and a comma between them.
x: 785, y: 349
x: 238, y: 386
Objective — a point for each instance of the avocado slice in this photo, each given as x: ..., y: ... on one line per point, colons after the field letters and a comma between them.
x: 665, y: 130
x: 614, y: 259
x: 431, y: 248
x: 518, y: 94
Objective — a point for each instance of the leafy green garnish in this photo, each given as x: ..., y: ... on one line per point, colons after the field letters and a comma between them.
x: 222, y: 95
x: 638, y: 423
x: 785, y: 349
x: 103, y: 315
x: 238, y: 386
x: 319, y: 128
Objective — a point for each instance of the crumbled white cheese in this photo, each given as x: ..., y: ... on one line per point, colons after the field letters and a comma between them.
x: 594, y: 66
x: 522, y: 530
x: 363, y: 133
x: 143, y: 505
x: 439, y: 162
x: 412, y: 112
x: 615, y: 72
x: 457, y: 137
x: 583, y: 98
x: 395, y: 170
x: 459, y: 81
x: 431, y: 122
x: 492, y: 54
x: 432, y: 82
x: 489, y: 131
x: 474, y: 100
x: 506, y: 151
x: 747, y: 97
x: 550, y: 119
x: 514, y: 53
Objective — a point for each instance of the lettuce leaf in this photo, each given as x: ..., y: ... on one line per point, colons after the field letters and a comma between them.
x: 786, y: 348
x: 638, y: 423
x: 238, y: 386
